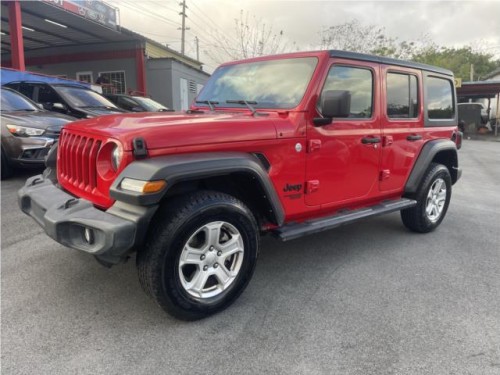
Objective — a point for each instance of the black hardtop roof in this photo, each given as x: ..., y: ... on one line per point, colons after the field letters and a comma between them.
x: 389, y: 61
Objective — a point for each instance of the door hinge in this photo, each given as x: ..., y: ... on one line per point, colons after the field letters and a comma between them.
x: 312, y: 186
x: 387, y: 140
x: 313, y: 145
x: 385, y: 174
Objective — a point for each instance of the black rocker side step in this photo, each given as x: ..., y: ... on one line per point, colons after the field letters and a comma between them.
x: 295, y: 230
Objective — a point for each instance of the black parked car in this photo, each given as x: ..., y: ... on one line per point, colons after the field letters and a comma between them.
x: 73, y: 100
x: 136, y: 103
x: 27, y: 131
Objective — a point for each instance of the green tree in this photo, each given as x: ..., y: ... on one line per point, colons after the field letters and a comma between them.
x: 459, y: 61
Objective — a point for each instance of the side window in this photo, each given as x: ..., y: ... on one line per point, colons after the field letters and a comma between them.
x: 358, y: 82
x: 439, y: 98
x: 27, y: 90
x: 47, y: 95
x: 402, y: 96
x: 127, y: 103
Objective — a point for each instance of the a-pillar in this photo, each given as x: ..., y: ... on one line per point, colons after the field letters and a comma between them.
x: 16, y: 35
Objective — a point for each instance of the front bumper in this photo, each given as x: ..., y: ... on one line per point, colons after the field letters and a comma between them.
x: 110, y: 235
x: 28, y: 151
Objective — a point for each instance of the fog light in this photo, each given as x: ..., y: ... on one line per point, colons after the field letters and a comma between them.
x: 88, y: 234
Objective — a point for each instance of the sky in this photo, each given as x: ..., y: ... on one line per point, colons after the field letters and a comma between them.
x: 446, y: 23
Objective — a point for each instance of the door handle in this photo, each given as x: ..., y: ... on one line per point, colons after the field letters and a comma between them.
x: 370, y: 140
x: 414, y: 137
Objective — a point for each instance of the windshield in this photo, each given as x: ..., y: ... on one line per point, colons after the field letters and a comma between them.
x: 80, y: 97
x: 15, y: 102
x: 264, y: 84
x: 149, y: 104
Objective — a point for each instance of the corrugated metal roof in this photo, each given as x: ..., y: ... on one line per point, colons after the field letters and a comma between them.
x: 78, y: 31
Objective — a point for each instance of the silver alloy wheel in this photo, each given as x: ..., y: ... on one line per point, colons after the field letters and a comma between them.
x: 436, y: 199
x: 211, y: 259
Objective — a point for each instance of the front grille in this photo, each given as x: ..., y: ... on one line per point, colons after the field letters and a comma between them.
x: 77, y: 160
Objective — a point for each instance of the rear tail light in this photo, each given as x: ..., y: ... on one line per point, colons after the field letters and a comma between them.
x: 457, y: 137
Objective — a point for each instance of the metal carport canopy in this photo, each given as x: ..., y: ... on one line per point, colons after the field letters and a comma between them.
x: 78, y: 30
x: 483, y: 89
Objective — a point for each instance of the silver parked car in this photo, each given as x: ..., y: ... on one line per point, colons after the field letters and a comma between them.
x: 28, y: 131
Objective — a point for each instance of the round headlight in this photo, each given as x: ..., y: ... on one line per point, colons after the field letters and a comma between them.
x: 116, y: 157
x: 109, y: 159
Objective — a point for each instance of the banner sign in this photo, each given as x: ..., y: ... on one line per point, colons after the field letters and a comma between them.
x: 93, y: 10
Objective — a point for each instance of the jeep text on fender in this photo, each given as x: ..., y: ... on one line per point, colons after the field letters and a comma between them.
x: 291, y: 145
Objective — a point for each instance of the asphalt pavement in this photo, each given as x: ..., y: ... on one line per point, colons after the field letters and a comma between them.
x: 369, y: 298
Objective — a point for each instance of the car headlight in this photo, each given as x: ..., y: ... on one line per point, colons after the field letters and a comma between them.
x: 24, y: 131
x: 116, y: 157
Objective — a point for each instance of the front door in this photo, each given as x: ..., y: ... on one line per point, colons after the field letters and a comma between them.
x: 344, y: 156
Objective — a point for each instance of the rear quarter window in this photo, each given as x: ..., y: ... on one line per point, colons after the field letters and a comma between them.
x: 439, y: 97
x: 440, y: 100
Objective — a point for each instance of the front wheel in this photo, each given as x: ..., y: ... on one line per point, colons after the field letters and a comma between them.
x: 200, y: 254
x: 433, y: 198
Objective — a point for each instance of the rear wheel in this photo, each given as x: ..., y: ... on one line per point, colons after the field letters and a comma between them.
x: 433, y: 197
x: 200, y: 255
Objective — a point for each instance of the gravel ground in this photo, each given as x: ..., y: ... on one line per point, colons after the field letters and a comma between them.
x: 369, y: 298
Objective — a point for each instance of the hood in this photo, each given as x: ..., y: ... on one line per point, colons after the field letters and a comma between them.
x: 174, y: 129
x: 100, y: 111
x: 36, y: 119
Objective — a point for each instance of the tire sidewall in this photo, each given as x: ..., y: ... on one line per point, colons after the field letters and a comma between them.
x: 170, y: 278
x: 435, y: 172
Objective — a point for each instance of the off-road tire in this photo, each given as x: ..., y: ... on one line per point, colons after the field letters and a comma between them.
x: 416, y: 218
x: 171, y: 229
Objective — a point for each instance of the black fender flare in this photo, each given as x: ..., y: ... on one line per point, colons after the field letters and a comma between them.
x: 186, y: 167
x: 428, y: 153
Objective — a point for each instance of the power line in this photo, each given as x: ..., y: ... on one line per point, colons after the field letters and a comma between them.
x: 216, y: 28
x: 135, y: 7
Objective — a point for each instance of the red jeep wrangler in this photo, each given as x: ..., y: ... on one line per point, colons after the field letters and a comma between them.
x: 291, y: 145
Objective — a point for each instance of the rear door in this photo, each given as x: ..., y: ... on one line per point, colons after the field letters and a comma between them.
x: 343, y: 157
x: 402, y: 125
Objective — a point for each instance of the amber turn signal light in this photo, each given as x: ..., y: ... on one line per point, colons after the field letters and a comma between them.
x: 140, y: 186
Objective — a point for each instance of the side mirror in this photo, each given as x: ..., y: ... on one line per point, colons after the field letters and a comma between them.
x: 58, y: 107
x: 336, y: 103
x: 40, y: 105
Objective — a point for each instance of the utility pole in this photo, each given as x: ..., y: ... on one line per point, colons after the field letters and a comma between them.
x: 197, y: 41
x: 183, y: 28
x: 471, y: 72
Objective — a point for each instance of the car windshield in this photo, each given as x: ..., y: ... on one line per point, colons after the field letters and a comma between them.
x: 80, y: 97
x: 263, y: 84
x: 149, y: 104
x: 12, y: 101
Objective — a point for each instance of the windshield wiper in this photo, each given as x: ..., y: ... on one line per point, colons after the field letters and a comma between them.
x: 96, y: 106
x: 248, y: 103
x: 24, y: 110
x: 210, y: 103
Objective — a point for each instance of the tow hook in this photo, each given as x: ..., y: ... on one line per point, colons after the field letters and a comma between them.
x: 69, y: 203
